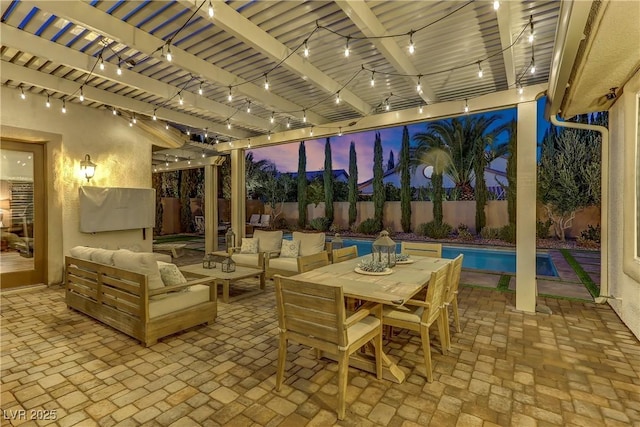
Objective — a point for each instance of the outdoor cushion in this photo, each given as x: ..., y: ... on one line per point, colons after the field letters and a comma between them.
x: 250, y: 260
x: 310, y: 243
x: 82, y: 252
x: 175, y: 301
x: 287, y: 264
x: 249, y: 246
x: 170, y: 274
x: 290, y: 248
x: 102, y: 256
x: 139, y: 262
x: 270, y: 241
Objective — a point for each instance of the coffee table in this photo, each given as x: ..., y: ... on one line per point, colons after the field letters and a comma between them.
x: 225, y: 278
x: 176, y: 249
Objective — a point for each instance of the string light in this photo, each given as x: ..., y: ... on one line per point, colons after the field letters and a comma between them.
x: 340, y: 131
x: 338, y: 97
x: 466, y: 106
x: 248, y: 106
x: 346, y: 49
x: 228, y: 124
x: 81, y: 97
x: 419, y: 86
x: 154, y: 117
x: 311, y: 131
x: 64, y: 106
x: 217, y: 140
x: 189, y: 161
x: 266, y: 82
x: 175, y: 159
x: 203, y: 155
x: 373, y: 80
x: 273, y: 118
x: 496, y: 5
x: 166, y: 126
x: 22, y: 95
x: 520, y: 89
x: 114, y: 112
x: 230, y: 97
x: 188, y: 132
x: 200, y: 89
x: 288, y: 123
x: 48, y: 103
x: 306, y: 49
x: 206, y: 132
x: 480, y: 72
x: 269, y: 135
x: 531, y: 33
x: 420, y: 109
x: 412, y: 47
x: 387, y: 106
x: 134, y: 120
x: 533, y: 66
x: 304, y: 117
x: 119, y: 70
x: 166, y: 159
x: 101, y: 63
x: 210, y: 9
x: 131, y: 125
x: 169, y: 55
x: 180, y: 99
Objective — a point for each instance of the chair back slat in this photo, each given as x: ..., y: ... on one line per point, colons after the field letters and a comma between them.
x: 436, y: 293
x: 454, y: 278
x: 344, y: 254
x: 311, y: 311
x: 433, y: 250
x: 311, y: 262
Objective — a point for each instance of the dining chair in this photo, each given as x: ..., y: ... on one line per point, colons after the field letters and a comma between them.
x: 344, y: 254
x: 419, y: 315
x: 314, y: 315
x: 433, y: 250
x: 451, y: 296
x: 311, y: 262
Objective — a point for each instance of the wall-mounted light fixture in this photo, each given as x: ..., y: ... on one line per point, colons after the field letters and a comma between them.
x: 87, y: 167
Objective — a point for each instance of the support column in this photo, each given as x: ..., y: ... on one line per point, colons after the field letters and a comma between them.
x: 526, y: 208
x: 238, y: 196
x: 211, y: 208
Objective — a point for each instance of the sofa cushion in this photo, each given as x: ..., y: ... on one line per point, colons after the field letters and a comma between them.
x: 310, y: 243
x: 270, y: 241
x: 290, y: 249
x: 139, y: 262
x: 102, y: 256
x: 249, y: 260
x: 82, y: 252
x: 249, y: 246
x: 175, y: 301
x: 170, y: 274
x: 287, y: 264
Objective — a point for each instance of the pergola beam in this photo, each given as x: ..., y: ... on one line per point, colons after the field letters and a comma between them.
x: 59, y: 54
x: 370, y: 25
x: 102, y: 23
x: 503, y: 15
x: 243, y: 29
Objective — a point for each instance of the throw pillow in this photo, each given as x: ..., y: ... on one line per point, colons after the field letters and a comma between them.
x: 170, y: 274
x: 290, y: 249
x: 249, y: 246
x: 82, y: 252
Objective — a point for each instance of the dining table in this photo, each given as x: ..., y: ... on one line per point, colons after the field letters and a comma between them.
x: 393, y: 288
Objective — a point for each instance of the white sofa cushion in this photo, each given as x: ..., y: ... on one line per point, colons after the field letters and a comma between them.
x: 82, y: 252
x: 139, y: 262
x: 290, y: 248
x: 249, y: 246
x: 250, y: 260
x: 269, y: 241
x: 287, y: 264
x: 175, y: 301
x: 310, y: 243
x: 102, y: 256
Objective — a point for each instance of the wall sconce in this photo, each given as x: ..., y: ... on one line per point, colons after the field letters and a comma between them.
x: 87, y: 167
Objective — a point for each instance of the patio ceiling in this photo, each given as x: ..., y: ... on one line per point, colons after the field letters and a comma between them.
x: 53, y: 48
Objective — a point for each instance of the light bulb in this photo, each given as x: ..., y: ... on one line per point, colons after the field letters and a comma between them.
x: 188, y: 132
x: 228, y: 124
x: 189, y: 161
x: 248, y: 106
x: 266, y: 82
x: 119, y: 70
x: 203, y: 154
x: 166, y: 126
x: 496, y: 5
x: 420, y: 109
x: 169, y: 55
x: 530, y: 37
x: 466, y: 106
x: 64, y: 106
x: 269, y: 136
x: 412, y: 47
x: 134, y: 120
x: 531, y: 32
x: 48, y: 103
x: 206, y: 133
x: 304, y: 117
x: 288, y: 123
x: 346, y: 49
x: 175, y: 159
x: 480, y: 72
x: 373, y: 80
x: 131, y: 125
x: 230, y: 97
x: 520, y: 89
x: 101, y: 64
x: 114, y: 112
x: 210, y: 9
x: 338, y: 97
x: 339, y: 131
x: 306, y: 49
x: 419, y: 86
x: 311, y: 131
x: 217, y: 140
x: 272, y: 119
x: 166, y: 163
x: 387, y: 106
x: 181, y: 100
x: 154, y: 117
x: 200, y: 89
x: 22, y: 95
x: 533, y: 67
x: 81, y: 97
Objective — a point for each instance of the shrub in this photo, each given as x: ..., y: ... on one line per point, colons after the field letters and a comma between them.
x: 465, y: 235
x: 542, y: 228
x: 320, y: 223
x: 490, y: 233
x: 369, y: 226
x: 591, y: 233
x: 508, y: 233
x: 434, y: 230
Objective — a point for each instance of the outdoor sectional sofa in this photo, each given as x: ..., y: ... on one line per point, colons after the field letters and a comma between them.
x: 126, y: 290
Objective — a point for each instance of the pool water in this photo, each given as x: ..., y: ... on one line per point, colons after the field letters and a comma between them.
x: 498, y: 260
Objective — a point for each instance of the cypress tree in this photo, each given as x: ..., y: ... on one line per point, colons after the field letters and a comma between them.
x: 405, y: 183
x: 328, y: 181
x: 302, y: 185
x: 353, y: 184
x: 378, y: 186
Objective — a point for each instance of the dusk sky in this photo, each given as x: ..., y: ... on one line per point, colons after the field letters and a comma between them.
x: 285, y: 156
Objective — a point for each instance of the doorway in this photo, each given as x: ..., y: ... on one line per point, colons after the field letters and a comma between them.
x: 22, y: 214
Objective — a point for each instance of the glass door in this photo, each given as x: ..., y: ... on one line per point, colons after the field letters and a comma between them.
x: 22, y: 214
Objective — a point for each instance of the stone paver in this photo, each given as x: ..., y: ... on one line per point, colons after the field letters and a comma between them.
x: 577, y: 366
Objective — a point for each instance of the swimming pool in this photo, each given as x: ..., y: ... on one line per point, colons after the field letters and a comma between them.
x: 500, y: 260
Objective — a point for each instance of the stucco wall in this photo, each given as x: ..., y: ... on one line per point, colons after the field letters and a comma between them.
x: 624, y: 283
x: 123, y: 156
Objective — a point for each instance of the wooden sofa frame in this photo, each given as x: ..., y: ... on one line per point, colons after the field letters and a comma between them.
x: 120, y: 298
